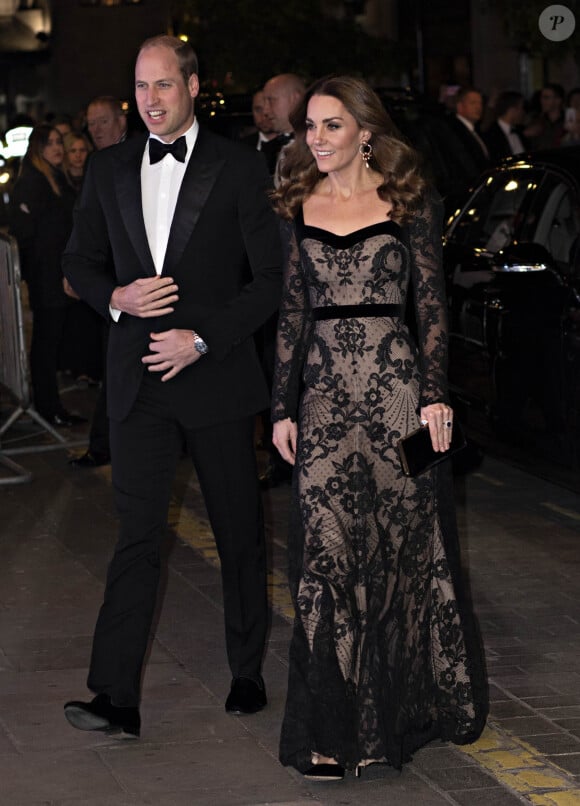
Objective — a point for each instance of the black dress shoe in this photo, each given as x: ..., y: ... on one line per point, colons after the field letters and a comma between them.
x: 90, y: 459
x: 275, y: 475
x: 64, y: 419
x: 100, y: 714
x: 246, y: 696
x: 324, y: 772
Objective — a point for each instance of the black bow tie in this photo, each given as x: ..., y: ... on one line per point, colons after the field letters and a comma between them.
x: 158, y: 149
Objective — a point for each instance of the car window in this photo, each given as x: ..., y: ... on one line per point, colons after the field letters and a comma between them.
x: 495, y: 212
x: 554, y: 220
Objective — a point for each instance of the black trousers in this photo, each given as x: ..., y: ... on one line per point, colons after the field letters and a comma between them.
x: 47, y: 332
x: 145, y: 450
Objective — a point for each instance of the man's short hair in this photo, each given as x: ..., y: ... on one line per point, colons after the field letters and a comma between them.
x: 113, y: 103
x: 507, y: 100
x: 186, y: 57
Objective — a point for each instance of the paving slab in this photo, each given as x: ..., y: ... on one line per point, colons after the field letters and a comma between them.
x: 520, y: 547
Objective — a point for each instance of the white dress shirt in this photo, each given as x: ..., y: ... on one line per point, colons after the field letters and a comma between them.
x: 160, y: 186
x: 513, y: 138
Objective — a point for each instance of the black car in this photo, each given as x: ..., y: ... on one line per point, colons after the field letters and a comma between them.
x: 512, y: 262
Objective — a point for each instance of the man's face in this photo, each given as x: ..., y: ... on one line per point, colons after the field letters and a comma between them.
x: 279, y: 103
x: 105, y: 125
x: 261, y: 119
x: 164, y: 100
x: 470, y: 107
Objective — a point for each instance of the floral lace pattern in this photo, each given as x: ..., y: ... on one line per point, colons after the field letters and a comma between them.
x: 378, y: 661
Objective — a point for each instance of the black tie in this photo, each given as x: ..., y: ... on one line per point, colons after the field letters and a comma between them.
x: 158, y: 149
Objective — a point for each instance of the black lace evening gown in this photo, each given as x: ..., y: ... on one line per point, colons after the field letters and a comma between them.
x: 384, y: 654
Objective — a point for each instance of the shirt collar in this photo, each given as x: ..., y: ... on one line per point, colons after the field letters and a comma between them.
x: 505, y: 127
x: 466, y: 122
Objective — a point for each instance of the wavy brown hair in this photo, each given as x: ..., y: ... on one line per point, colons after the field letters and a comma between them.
x: 398, y: 163
x: 37, y: 142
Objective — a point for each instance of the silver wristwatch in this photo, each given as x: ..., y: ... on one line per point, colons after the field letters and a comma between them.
x: 199, y: 344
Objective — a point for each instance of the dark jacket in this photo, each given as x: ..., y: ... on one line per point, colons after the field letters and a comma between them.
x: 41, y: 222
x: 223, y: 252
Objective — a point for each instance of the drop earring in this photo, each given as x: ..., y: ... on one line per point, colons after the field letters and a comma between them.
x: 366, y: 152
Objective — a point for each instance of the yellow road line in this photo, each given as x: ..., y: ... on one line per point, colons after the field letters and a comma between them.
x: 511, y: 761
x: 522, y: 768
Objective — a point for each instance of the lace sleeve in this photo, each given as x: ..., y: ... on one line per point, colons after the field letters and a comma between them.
x: 430, y: 303
x: 293, y: 330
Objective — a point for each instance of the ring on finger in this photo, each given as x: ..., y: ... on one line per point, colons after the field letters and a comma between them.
x: 448, y: 424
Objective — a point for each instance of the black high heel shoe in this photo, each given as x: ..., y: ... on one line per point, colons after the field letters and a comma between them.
x: 324, y: 772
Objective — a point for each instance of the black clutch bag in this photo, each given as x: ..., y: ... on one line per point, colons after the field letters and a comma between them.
x: 417, y: 454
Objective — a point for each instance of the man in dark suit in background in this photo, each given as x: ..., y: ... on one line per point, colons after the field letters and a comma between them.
x: 107, y: 125
x: 196, y: 252
x: 262, y: 138
x: 503, y: 138
x: 465, y: 148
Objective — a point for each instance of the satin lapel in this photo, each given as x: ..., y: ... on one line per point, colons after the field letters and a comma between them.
x: 200, y: 176
x: 128, y: 187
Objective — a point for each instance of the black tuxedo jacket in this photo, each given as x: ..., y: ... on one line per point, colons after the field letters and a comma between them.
x: 223, y: 252
x: 497, y: 143
x: 469, y: 155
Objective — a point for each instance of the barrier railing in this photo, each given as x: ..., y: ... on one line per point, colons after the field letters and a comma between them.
x: 14, y: 372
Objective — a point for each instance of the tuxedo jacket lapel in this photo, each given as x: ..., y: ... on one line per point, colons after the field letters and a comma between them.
x: 202, y: 171
x: 128, y: 188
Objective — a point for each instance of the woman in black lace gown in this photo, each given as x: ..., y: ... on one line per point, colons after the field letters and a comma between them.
x: 384, y: 656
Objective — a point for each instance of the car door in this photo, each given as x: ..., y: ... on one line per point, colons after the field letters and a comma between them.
x: 511, y: 260
x: 489, y: 222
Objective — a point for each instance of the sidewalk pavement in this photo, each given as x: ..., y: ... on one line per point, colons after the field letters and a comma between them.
x: 521, y: 541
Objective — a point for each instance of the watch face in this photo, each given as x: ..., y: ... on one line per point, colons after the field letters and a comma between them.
x: 200, y: 346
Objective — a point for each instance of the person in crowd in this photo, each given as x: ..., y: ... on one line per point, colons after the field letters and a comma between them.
x: 384, y: 653
x: 182, y: 367
x: 547, y: 129
x: 572, y: 119
x: 463, y: 145
x: 41, y: 220
x: 62, y: 122
x: 262, y: 138
x: 282, y: 93
x: 106, y: 121
x: 503, y: 138
x: 82, y: 343
x: 464, y: 124
x: 107, y: 125
x: 77, y: 148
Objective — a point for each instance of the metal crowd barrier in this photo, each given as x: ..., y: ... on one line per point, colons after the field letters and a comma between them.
x: 14, y: 371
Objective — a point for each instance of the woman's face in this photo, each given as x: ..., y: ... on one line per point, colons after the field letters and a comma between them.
x: 53, y: 151
x: 77, y: 155
x: 332, y: 134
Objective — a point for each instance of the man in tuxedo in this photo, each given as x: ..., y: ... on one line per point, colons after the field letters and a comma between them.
x: 503, y: 137
x: 197, y: 260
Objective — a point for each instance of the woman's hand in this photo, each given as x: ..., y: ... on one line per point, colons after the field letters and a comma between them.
x: 284, y: 437
x: 439, y: 418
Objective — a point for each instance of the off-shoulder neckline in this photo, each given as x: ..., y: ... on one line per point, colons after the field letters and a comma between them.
x: 387, y: 224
